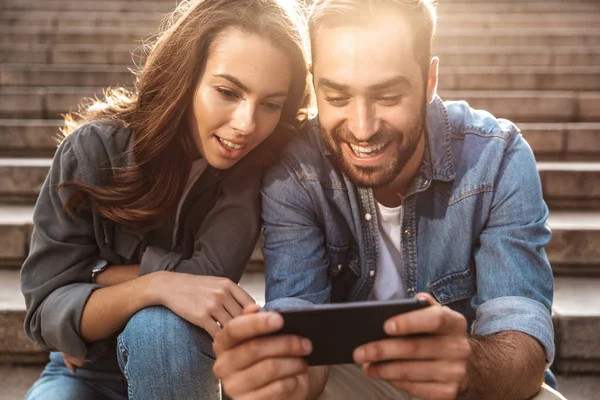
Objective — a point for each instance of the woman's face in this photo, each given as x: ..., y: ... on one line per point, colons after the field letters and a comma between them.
x: 238, y: 101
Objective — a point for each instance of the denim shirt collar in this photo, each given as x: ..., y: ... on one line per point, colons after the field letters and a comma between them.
x: 437, y: 161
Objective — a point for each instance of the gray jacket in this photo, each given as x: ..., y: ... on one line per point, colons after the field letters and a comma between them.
x: 56, y: 276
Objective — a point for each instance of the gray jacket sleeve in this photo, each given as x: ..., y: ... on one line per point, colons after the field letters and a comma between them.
x: 55, y: 277
x: 228, y: 234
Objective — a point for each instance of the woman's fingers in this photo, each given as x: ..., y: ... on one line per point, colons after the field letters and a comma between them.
x: 241, y: 296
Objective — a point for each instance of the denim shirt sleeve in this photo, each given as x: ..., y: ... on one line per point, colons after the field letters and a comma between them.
x: 296, y: 264
x: 514, y: 278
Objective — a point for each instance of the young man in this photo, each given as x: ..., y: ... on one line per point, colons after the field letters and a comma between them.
x: 392, y: 193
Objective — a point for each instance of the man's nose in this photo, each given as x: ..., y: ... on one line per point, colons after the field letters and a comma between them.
x: 244, y: 119
x: 363, y: 123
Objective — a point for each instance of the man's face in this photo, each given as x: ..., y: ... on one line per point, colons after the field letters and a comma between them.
x: 371, y: 97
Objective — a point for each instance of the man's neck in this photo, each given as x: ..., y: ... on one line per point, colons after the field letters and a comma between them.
x: 393, y: 194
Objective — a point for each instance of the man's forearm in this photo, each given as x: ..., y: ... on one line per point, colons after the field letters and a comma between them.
x: 505, y: 366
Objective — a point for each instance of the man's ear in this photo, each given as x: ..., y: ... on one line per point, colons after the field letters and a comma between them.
x: 432, y: 78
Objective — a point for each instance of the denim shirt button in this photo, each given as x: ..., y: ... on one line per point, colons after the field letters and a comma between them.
x: 411, y: 290
x: 407, y: 233
x: 371, y: 272
x: 339, y: 267
x: 368, y: 217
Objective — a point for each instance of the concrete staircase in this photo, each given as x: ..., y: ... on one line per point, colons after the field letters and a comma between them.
x: 535, y: 62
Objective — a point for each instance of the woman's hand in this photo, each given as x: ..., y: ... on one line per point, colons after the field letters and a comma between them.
x: 72, y: 363
x: 205, y: 301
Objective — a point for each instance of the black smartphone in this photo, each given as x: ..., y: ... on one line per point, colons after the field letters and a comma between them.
x: 335, y: 330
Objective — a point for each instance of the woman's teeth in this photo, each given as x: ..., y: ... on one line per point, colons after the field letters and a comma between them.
x: 229, y: 145
x: 367, y: 151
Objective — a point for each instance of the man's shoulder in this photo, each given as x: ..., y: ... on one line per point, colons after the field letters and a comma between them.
x: 465, y: 120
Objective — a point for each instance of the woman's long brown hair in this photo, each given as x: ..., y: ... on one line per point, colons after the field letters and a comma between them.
x: 139, y: 196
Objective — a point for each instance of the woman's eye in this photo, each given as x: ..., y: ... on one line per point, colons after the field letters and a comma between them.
x: 337, y: 101
x: 273, y: 106
x: 227, y: 94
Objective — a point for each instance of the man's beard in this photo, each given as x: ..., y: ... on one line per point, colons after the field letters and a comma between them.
x: 382, y: 175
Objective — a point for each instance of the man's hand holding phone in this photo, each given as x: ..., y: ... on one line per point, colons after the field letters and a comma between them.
x: 433, y: 366
x: 252, y: 366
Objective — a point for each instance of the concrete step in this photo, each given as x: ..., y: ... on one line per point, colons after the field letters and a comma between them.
x: 550, y: 141
x: 573, y: 249
x: 518, y: 37
x: 576, y: 315
x: 452, y: 7
x: 563, y: 141
x: 31, y: 138
x: 532, y: 106
x: 516, y: 7
x: 571, y: 185
x: 163, y: 6
x: 445, y: 37
x: 519, y: 106
x: 537, y: 56
x: 65, y: 75
x: 452, y: 78
x: 151, y: 20
x: 80, y: 54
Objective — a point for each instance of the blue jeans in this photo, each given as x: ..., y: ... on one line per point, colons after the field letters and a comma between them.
x: 159, y: 356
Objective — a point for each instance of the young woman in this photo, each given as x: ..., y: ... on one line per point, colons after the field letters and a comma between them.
x: 150, y: 211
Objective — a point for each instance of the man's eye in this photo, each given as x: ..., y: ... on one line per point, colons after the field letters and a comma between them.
x: 389, y: 100
x: 337, y: 101
x: 227, y: 94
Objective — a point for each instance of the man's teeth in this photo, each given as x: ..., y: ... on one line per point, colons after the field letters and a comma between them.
x: 365, y: 151
x: 230, y: 145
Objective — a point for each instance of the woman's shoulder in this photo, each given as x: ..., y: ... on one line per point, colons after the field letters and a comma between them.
x: 97, y: 146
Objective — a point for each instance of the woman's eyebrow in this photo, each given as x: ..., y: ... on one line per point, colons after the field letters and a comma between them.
x: 245, y: 88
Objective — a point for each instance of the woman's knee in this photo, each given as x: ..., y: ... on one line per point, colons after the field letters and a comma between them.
x: 160, y: 332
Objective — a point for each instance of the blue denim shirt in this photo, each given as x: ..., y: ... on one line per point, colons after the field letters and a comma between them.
x: 473, y: 228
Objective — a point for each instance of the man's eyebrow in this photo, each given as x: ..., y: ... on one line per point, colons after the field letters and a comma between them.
x: 333, y: 85
x: 245, y: 88
x: 394, y: 81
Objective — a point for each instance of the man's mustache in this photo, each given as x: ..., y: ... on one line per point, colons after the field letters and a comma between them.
x: 383, y: 135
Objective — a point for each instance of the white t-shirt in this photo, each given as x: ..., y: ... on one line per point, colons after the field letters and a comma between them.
x: 390, y: 264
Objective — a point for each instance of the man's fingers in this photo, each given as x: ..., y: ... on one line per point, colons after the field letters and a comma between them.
x: 434, y: 319
x: 411, y: 348
x: 278, y: 390
x: 255, y: 351
x: 262, y: 374
x: 428, y: 390
x: 417, y: 371
x: 246, y: 327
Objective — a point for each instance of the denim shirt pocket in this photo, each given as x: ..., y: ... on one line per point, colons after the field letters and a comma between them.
x: 344, y: 270
x: 454, y: 287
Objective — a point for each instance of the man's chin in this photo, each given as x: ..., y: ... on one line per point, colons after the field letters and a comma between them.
x: 368, y: 177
